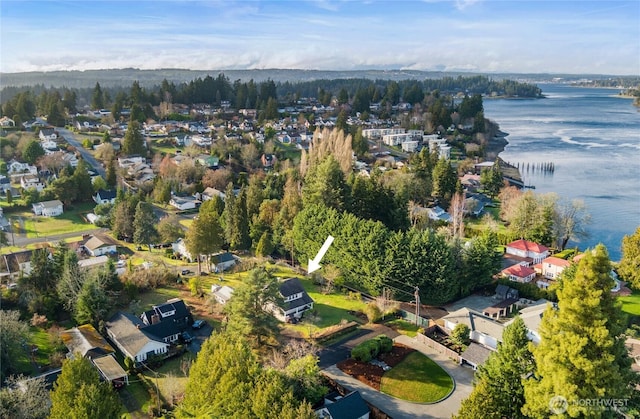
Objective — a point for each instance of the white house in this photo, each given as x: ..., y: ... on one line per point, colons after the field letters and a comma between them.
x: 127, y: 333
x: 105, y: 197
x: 210, y: 192
x: 296, y: 300
x: 99, y: 245
x: 180, y: 247
x: 15, y: 166
x: 222, y: 294
x: 438, y: 214
x: 48, y: 134
x: 526, y: 249
x: 519, y: 273
x: 183, y: 203
x: 532, y: 316
x: 483, y: 329
x: 553, y: 266
x: 48, y: 208
x: 32, y: 181
x: 223, y: 261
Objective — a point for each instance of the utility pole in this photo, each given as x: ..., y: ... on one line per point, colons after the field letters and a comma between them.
x: 417, y: 297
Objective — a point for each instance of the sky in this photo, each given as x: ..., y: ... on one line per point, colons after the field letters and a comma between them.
x: 571, y: 37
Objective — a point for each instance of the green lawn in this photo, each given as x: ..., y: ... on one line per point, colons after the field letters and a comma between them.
x: 71, y: 221
x: 631, y: 303
x: 404, y: 327
x: 417, y: 379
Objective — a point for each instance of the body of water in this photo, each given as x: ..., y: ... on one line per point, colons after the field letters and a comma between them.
x: 592, y: 138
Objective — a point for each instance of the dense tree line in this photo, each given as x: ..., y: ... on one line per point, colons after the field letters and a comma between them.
x: 370, y: 256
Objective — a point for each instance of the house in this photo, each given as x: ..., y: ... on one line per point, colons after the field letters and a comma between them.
x: 351, y: 406
x: 526, y: 249
x: 105, y: 197
x: 438, y: 214
x: 32, y: 181
x: 475, y: 355
x: 48, y: 208
x: 90, y: 263
x: 128, y: 334
x: 86, y: 342
x: 553, y: 266
x: 16, y: 263
x: 126, y: 162
x: 5, y: 121
x: 48, y: 134
x: 184, y: 203
x: 167, y: 320
x: 5, y: 184
x: 268, y: 160
x: 15, y: 166
x: 519, y: 273
x: 210, y: 192
x: 180, y: 248
x: 223, y: 261
x: 483, y: 330
x: 504, y: 292
x: 296, y: 300
x: 532, y: 317
x: 222, y: 294
x: 211, y: 162
x: 100, y: 244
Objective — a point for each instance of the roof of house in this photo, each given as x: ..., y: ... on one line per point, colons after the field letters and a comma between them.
x: 109, y: 367
x: 476, y: 354
x: 129, y: 332
x: 476, y: 322
x: 290, y: 287
x: 93, y: 261
x: 519, y: 270
x: 349, y: 407
x: 49, y: 204
x: 223, y: 257
x: 223, y: 292
x: 104, y: 194
x: 532, y: 315
x: 85, y: 340
x: 552, y: 260
x: 167, y: 313
x: 528, y: 246
x: 98, y: 240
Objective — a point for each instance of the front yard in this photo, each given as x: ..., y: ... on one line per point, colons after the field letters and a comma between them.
x: 631, y: 303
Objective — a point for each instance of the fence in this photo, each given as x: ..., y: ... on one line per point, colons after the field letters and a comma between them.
x: 411, y: 318
x: 436, y: 346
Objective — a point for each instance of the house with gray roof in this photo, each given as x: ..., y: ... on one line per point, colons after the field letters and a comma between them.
x: 351, y: 406
x: 483, y: 329
x: 296, y: 301
x: 128, y: 333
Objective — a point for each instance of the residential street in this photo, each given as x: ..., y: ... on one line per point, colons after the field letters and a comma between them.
x: 69, y: 137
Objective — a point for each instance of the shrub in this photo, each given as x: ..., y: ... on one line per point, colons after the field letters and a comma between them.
x: 460, y: 334
x: 385, y: 343
x: 366, y: 351
x: 373, y: 312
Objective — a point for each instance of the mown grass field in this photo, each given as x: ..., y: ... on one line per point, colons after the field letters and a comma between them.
x: 417, y: 379
x: 403, y: 327
x: 631, y: 303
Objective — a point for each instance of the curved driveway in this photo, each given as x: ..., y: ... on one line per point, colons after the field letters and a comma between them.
x: 400, y: 409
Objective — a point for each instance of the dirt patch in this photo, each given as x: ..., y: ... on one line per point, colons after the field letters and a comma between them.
x: 371, y: 374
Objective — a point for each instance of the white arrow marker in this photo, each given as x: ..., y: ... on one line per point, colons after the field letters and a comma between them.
x: 314, y: 264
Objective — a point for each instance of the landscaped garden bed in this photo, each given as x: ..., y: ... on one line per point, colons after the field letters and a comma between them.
x: 371, y: 374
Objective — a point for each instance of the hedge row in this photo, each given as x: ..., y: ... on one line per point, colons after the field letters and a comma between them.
x: 370, y: 349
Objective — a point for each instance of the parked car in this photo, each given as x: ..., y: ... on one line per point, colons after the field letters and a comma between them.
x: 198, y: 324
x: 185, y: 272
x: 186, y: 337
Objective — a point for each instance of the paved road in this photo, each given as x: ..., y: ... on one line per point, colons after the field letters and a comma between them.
x: 69, y: 137
x: 400, y: 409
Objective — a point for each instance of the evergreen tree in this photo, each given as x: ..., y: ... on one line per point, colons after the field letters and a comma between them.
x: 92, y: 302
x: 83, y: 183
x: 133, y: 143
x: 499, y: 380
x: 205, y: 236
x: 97, y: 99
x: 264, y: 247
x: 32, y: 152
x: 249, y: 310
x: 144, y: 224
x: 110, y: 174
x: 325, y: 184
x: 359, y: 143
x: 444, y: 182
x: 492, y: 180
x: 79, y: 393
x: 629, y: 268
x: 582, y: 353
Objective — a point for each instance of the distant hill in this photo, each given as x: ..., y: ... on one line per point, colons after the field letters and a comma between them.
x: 124, y: 77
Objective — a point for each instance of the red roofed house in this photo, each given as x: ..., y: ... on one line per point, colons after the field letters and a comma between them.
x: 552, y: 267
x: 519, y: 273
x: 526, y: 249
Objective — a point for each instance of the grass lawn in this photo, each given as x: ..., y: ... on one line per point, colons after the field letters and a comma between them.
x: 417, y: 379
x: 403, y: 326
x: 46, y: 344
x: 171, y: 380
x: 69, y: 222
x: 157, y: 296
x: 330, y: 309
x: 631, y: 303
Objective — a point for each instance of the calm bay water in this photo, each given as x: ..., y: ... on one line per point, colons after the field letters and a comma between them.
x: 593, y: 139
